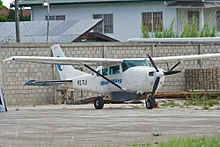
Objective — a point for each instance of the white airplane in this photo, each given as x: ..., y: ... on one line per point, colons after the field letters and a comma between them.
x: 119, y: 79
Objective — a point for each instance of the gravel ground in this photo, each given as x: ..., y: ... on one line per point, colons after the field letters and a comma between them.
x: 116, y: 124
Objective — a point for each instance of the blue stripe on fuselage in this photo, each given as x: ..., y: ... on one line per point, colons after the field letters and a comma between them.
x: 118, y: 81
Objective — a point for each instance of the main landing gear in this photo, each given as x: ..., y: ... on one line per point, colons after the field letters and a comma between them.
x: 150, y: 102
x: 99, y: 102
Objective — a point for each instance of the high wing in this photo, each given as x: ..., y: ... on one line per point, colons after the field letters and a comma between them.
x: 103, y: 61
x: 184, y: 57
x: 65, y: 60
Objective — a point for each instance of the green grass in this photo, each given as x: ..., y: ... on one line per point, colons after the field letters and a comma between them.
x: 185, y: 142
x: 176, y: 142
x: 145, y: 31
x: 204, y: 101
x: 189, y: 142
x: 170, y: 104
x: 105, y: 146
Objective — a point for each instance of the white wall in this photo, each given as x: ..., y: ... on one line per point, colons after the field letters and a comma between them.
x: 127, y: 17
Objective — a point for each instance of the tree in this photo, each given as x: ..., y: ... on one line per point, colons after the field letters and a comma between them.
x: 22, y: 17
x: 2, y: 7
x: 11, y: 15
x: 3, y: 18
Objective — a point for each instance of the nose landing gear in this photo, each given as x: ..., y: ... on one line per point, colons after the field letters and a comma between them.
x: 150, y: 102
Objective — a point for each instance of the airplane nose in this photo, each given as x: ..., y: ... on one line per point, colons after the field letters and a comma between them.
x: 160, y: 73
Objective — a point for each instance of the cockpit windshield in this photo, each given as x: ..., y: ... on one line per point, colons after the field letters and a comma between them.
x: 126, y: 64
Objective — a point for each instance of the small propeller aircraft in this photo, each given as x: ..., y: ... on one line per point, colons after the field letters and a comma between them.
x: 119, y: 79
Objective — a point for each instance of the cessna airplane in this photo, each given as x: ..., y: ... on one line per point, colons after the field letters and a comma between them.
x: 120, y: 79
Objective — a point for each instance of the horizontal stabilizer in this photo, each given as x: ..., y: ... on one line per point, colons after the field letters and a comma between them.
x: 47, y: 83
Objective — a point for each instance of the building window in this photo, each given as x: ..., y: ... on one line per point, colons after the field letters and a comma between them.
x: 153, y: 21
x: 56, y: 17
x: 60, y: 17
x: 218, y: 20
x: 98, y: 28
x: 194, y: 14
x: 107, y: 25
x: 158, y: 19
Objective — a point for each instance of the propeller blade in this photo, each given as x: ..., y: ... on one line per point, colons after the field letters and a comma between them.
x: 171, y: 72
x: 155, y: 86
x: 175, y: 66
x: 152, y: 62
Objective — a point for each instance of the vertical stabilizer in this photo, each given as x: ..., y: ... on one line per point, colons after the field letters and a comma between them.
x: 65, y: 71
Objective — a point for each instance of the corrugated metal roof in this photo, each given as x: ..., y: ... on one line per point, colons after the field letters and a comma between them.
x: 59, y: 2
x: 35, y: 31
x: 194, y: 4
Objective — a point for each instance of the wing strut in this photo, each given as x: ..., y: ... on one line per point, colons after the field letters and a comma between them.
x: 102, y: 76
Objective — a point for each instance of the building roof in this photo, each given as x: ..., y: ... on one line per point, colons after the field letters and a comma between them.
x: 195, y: 4
x: 63, y: 2
x: 25, y: 12
x: 96, y: 37
x: 35, y: 31
x: 4, y: 12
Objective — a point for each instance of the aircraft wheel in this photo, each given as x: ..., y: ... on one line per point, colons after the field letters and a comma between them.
x: 149, y: 103
x: 99, y: 103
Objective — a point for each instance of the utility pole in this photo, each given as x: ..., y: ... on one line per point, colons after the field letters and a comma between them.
x: 17, y: 22
x: 47, y: 4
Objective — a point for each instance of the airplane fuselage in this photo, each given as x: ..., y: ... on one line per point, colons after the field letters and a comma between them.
x: 138, y: 79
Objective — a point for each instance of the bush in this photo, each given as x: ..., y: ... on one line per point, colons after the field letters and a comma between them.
x: 191, y: 31
x: 145, y: 31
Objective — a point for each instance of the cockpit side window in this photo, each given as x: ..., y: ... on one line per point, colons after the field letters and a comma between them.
x: 126, y: 64
x: 105, y: 71
x: 114, y: 69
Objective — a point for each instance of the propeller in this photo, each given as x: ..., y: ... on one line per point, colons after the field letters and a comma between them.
x: 152, y: 62
x: 156, y: 83
x: 171, y: 72
x: 160, y: 74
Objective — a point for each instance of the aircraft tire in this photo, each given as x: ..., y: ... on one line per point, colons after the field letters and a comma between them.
x: 149, y: 103
x: 98, y: 102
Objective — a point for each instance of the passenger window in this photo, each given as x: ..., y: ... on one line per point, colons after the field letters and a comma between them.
x: 114, y: 69
x: 98, y: 72
x: 105, y: 71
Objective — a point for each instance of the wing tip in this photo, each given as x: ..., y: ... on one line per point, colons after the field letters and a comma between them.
x: 8, y: 59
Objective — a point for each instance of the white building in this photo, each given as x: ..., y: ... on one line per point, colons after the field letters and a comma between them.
x: 122, y: 19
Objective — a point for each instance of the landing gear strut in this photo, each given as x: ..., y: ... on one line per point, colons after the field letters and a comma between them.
x: 150, y: 102
x: 98, y: 102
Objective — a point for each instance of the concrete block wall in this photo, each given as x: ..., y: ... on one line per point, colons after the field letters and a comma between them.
x: 13, y: 76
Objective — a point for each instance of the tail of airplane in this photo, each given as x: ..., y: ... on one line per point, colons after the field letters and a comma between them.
x: 65, y: 71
